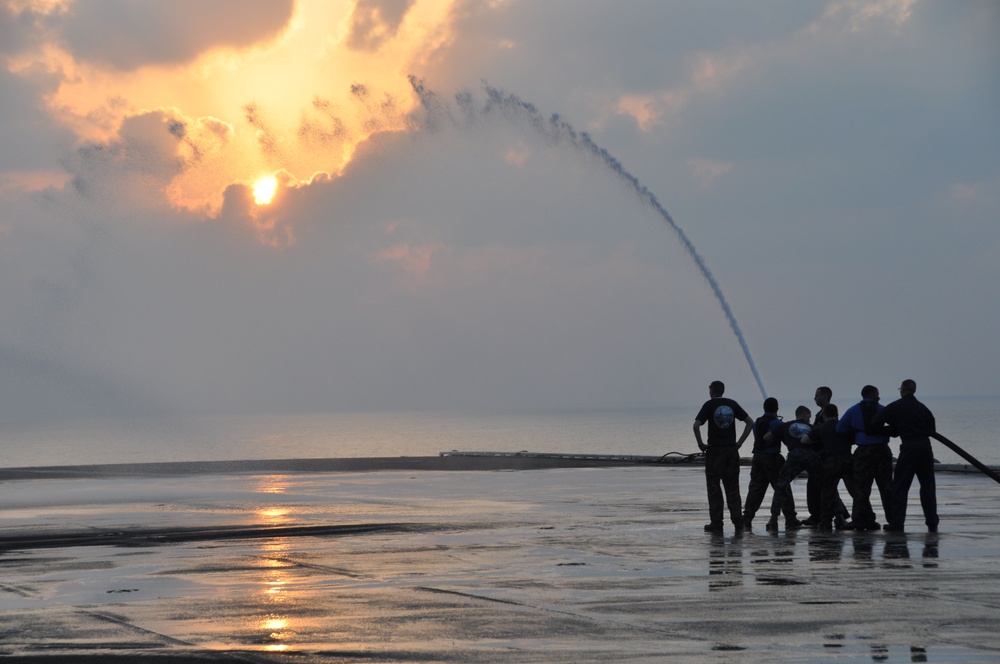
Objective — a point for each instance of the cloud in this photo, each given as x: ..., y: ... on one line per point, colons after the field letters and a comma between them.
x: 445, y: 291
x: 836, y: 167
x: 375, y: 21
x: 31, y: 139
x: 126, y: 35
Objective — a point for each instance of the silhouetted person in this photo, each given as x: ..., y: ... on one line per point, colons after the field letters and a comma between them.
x: 838, y: 464
x: 814, y: 485
x: 722, y: 455
x: 801, y: 456
x: 872, y: 458
x: 765, y: 467
x: 913, y: 422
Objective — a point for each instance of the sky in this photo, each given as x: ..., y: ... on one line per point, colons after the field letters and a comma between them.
x: 268, y: 206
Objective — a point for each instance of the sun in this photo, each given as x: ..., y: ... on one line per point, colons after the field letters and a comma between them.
x: 264, y: 189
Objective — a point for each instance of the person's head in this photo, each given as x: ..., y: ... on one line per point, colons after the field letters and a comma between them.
x: 907, y: 387
x: 869, y: 392
x: 802, y: 413
x: 770, y: 405
x: 717, y: 388
x: 830, y: 412
x: 823, y: 395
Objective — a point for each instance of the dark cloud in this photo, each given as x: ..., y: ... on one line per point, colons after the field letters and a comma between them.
x: 374, y: 21
x: 126, y: 35
x: 31, y: 139
x: 573, y: 49
x: 17, y: 28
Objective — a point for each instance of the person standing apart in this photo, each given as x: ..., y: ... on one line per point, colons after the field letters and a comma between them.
x: 722, y: 455
x: 913, y: 422
x: 872, y: 458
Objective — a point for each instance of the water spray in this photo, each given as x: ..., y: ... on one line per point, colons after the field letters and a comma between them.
x: 561, y: 131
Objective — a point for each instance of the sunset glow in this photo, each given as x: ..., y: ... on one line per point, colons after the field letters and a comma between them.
x: 297, y: 88
x: 264, y: 189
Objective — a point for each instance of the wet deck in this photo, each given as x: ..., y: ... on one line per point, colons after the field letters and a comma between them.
x: 547, y: 565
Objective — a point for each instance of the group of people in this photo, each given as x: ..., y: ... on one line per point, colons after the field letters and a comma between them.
x: 822, y: 447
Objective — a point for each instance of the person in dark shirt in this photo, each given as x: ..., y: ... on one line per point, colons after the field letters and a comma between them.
x: 912, y: 421
x: 764, y: 469
x: 872, y: 458
x: 801, y: 457
x: 722, y: 455
x: 814, y: 485
x: 838, y: 464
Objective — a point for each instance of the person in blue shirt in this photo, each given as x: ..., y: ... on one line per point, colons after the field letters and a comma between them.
x: 913, y: 422
x: 722, y: 454
x: 872, y: 458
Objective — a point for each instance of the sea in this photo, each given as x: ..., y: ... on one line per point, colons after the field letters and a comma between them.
x: 967, y: 422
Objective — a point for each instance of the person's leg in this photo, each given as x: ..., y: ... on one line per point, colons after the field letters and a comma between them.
x: 756, y: 489
x: 845, y: 472
x: 864, y: 516
x: 883, y: 478
x: 791, y: 469
x: 713, y: 480
x: 814, y: 494
x: 928, y: 489
x: 781, y: 501
x: 827, y: 491
x: 731, y: 482
x: 902, y: 479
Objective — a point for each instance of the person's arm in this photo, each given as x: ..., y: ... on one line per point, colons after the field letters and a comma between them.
x: 697, y: 435
x: 884, y: 422
x: 746, y: 432
x: 844, y: 426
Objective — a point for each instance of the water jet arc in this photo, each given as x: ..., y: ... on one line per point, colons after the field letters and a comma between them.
x: 559, y: 129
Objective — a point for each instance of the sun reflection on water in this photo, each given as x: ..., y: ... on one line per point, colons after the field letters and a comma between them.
x: 272, y: 484
x: 275, y: 625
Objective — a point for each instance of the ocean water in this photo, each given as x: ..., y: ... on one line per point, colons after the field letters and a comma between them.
x: 967, y: 421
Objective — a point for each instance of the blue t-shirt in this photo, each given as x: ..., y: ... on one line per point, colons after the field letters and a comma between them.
x: 853, y: 423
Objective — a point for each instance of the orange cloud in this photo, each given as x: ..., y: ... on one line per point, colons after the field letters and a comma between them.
x: 270, y: 90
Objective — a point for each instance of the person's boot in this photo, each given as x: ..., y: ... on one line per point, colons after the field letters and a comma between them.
x: 841, y: 523
x: 793, y: 524
x: 713, y: 527
x: 772, y: 525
